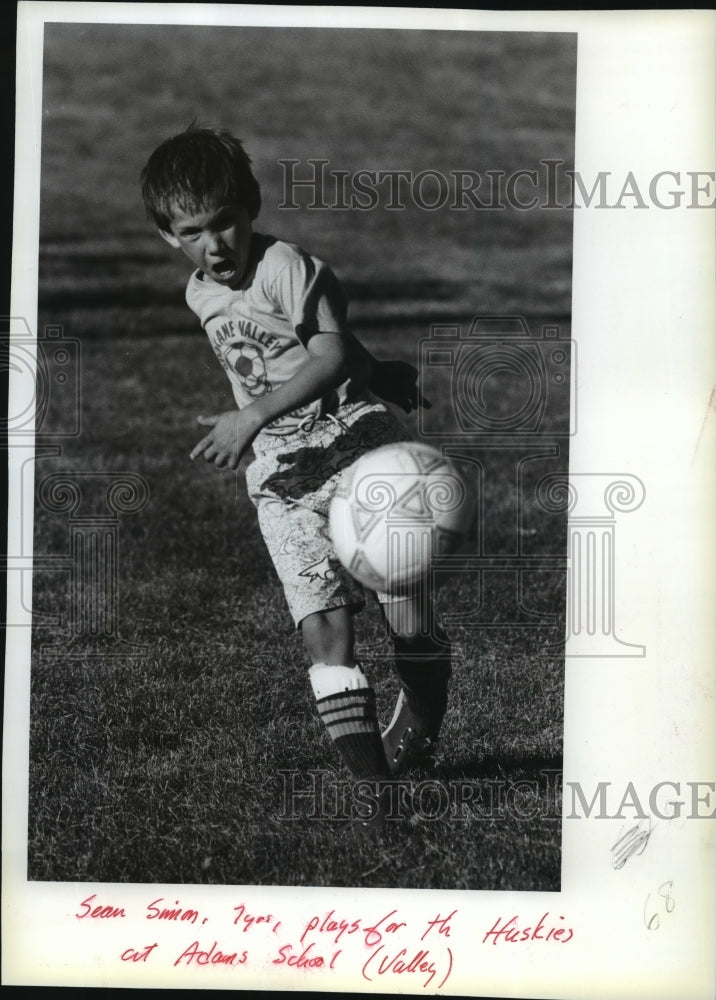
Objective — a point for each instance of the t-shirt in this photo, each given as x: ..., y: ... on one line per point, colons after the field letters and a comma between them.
x: 259, y: 331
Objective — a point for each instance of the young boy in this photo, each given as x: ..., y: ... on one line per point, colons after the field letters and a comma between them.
x: 276, y: 319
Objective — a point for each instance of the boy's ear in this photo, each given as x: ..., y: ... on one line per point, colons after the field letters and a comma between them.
x: 170, y: 239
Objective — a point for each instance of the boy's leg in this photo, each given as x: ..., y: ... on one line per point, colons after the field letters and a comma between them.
x: 312, y: 578
x: 344, y: 698
x: 423, y: 664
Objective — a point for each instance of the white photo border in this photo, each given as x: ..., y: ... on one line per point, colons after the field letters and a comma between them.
x: 643, y: 315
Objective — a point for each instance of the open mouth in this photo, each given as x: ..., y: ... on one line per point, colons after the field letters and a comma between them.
x: 225, y: 270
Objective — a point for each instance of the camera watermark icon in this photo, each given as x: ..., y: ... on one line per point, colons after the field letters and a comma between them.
x: 44, y: 398
x: 498, y: 379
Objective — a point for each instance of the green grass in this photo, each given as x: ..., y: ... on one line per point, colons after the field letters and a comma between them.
x: 163, y: 763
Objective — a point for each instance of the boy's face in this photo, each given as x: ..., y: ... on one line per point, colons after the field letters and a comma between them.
x: 216, y: 239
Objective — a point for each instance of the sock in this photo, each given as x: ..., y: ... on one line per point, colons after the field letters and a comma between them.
x: 346, y: 704
x: 424, y: 668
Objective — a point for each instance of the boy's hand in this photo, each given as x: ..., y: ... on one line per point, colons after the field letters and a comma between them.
x: 397, y: 382
x: 231, y: 434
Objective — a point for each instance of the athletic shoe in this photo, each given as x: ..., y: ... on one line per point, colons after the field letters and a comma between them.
x: 409, y: 744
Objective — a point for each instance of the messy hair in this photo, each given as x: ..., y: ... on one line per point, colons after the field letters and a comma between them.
x: 195, y: 169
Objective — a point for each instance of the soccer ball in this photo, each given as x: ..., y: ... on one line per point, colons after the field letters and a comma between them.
x: 394, y: 510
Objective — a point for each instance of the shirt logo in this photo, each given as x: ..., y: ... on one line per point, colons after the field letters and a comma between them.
x: 247, y: 363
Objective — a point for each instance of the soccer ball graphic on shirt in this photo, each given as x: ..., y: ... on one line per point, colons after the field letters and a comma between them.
x: 394, y: 510
x: 247, y: 360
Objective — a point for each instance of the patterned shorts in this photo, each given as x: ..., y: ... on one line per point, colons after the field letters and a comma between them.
x: 291, y: 482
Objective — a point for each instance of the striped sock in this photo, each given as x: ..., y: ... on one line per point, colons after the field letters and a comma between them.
x: 346, y: 704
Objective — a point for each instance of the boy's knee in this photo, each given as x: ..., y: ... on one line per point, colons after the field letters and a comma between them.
x: 328, y: 636
x: 433, y: 649
x: 325, y: 623
x: 434, y: 642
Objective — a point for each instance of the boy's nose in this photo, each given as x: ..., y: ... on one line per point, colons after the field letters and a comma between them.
x: 213, y: 244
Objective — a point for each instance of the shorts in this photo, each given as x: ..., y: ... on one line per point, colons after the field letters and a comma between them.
x: 291, y: 483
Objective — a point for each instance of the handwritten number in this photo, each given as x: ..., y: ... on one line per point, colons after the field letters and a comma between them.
x: 664, y: 892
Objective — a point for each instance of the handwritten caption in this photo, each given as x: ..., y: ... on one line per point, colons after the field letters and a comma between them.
x: 389, y: 943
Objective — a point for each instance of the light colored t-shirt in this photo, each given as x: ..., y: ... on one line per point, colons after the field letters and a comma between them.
x: 259, y: 332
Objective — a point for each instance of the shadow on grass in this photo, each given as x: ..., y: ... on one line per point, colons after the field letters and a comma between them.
x: 502, y: 766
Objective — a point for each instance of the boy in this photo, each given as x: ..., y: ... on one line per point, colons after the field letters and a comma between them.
x: 276, y: 319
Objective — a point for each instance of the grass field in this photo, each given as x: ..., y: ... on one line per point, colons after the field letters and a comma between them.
x: 168, y: 765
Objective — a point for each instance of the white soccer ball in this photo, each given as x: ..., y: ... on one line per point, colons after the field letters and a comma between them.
x: 395, y: 509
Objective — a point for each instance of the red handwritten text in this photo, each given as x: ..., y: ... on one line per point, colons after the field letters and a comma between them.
x: 329, y: 925
x: 510, y: 930
x: 307, y: 959
x: 247, y: 920
x: 442, y: 924
x: 210, y: 956
x: 99, y: 912
x: 374, y: 934
x: 156, y: 912
x: 138, y: 954
x: 418, y: 963
x: 336, y: 927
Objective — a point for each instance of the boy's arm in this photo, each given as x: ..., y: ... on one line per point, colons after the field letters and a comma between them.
x: 393, y: 381
x: 327, y: 365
